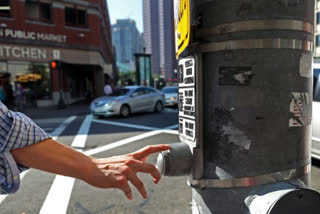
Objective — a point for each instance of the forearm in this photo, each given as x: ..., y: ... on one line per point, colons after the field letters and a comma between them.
x: 52, y: 156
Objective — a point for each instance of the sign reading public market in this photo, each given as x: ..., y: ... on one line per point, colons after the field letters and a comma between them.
x: 30, y: 35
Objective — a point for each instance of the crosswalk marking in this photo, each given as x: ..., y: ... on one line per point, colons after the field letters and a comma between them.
x: 81, y: 137
x: 131, y: 140
x: 55, y: 134
x: 58, y: 197
x: 125, y: 125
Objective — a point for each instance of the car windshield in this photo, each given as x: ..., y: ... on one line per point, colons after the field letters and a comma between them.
x: 170, y: 90
x: 119, y: 92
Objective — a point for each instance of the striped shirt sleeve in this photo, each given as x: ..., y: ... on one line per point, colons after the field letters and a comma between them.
x: 16, y: 131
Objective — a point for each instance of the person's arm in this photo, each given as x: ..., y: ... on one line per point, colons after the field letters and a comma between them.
x: 114, y: 172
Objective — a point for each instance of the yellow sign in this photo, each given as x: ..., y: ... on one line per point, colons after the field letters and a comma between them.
x: 182, y: 25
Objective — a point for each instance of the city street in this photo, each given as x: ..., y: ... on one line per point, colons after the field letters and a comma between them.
x: 46, y: 193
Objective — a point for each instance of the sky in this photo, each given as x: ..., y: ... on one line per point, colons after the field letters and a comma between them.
x: 123, y: 9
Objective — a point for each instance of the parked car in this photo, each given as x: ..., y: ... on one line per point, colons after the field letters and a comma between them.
x: 171, y: 95
x: 315, y: 151
x: 127, y: 100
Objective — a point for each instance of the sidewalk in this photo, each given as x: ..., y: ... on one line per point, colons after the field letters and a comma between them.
x: 81, y: 108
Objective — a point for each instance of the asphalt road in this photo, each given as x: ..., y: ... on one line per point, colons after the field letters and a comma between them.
x: 42, y: 192
x: 46, y: 193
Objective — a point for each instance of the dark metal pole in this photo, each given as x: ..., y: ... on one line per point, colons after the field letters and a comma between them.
x: 253, y: 100
x: 145, y: 67
x: 257, y: 90
x: 61, y: 103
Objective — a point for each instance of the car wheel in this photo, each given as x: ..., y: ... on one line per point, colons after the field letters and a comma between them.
x: 124, y: 111
x: 158, y: 107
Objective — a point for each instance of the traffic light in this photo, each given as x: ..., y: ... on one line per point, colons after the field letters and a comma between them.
x: 53, y: 64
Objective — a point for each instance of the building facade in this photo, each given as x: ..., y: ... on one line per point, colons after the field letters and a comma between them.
x: 127, y: 41
x: 151, y: 35
x: 317, y: 32
x: 75, y: 34
x: 158, y: 18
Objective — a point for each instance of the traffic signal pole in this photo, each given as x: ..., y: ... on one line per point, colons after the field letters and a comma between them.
x: 246, y: 118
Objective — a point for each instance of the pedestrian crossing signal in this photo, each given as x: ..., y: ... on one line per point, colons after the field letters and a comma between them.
x: 53, y: 64
x: 182, y: 25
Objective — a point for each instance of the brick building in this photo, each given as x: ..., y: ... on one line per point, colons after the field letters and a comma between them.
x: 76, y: 34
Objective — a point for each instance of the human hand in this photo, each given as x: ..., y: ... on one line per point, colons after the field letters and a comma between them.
x: 115, y: 172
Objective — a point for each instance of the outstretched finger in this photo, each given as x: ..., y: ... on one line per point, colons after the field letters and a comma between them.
x: 135, y: 180
x: 148, y: 150
x: 126, y: 189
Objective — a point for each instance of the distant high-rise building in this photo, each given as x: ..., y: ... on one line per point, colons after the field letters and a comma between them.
x: 159, y: 35
x: 151, y: 33
x: 317, y: 32
x: 167, y: 40
x: 127, y: 40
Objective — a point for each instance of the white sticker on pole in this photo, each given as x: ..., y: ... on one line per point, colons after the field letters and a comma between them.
x: 187, y: 101
x: 186, y: 72
x: 187, y: 131
x: 300, y: 107
x: 187, y: 107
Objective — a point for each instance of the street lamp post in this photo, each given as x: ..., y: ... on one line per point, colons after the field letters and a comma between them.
x: 145, y: 67
x: 56, y: 66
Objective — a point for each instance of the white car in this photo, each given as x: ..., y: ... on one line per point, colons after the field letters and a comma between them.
x: 127, y: 100
x: 315, y: 151
x: 171, y: 94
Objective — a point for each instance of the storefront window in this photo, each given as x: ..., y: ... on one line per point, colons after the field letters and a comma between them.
x: 5, y: 9
x: 34, y: 77
x: 38, y: 10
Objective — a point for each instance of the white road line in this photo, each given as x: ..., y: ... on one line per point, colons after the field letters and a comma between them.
x: 55, y: 134
x: 175, y: 126
x: 131, y: 140
x: 125, y: 125
x: 316, y: 139
x: 122, y: 142
x: 81, y: 137
x: 58, y: 197
x: 175, y: 132
x: 59, y: 194
x: 58, y: 131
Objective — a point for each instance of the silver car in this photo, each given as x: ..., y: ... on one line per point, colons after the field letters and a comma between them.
x: 171, y: 95
x: 127, y: 100
x: 315, y: 152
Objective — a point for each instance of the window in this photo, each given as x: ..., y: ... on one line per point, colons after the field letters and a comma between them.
x: 38, y: 10
x: 34, y: 77
x: 149, y: 90
x: 76, y: 17
x: 318, y: 40
x: 316, y: 84
x: 138, y: 92
x: 170, y: 90
x: 5, y: 8
x: 318, y: 18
